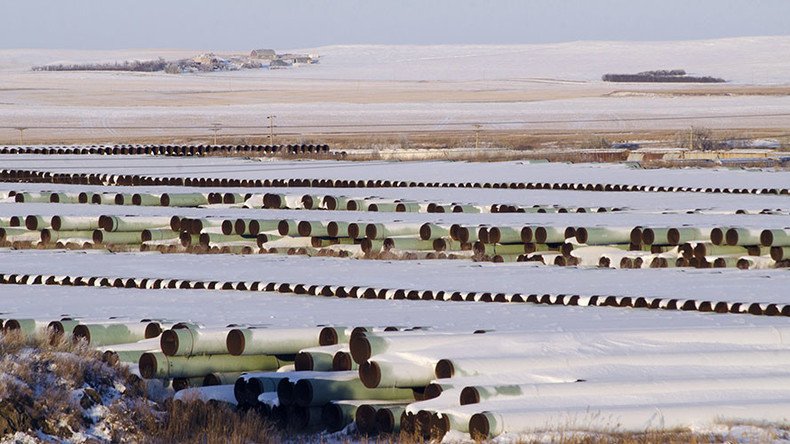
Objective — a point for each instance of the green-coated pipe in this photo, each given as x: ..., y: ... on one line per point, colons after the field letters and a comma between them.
x: 183, y: 199
x: 190, y: 340
x: 217, y: 239
x: 775, y: 238
x: 317, y: 391
x: 158, y: 234
x: 117, y: 238
x: 98, y: 335
x: 129, y: 352
x: 32, y: 197
x: 383, y: 207
x: 123, y: 199
x: 505, y: 235
x: 147, y: 199
x: 429, y: 231
x: 550, y: 235
x: 742, y: 236
x: 391, y: 371
x: 382, y: 231
x: 388, y: 419
x: 13, y: 234
x: 317, y: 358
x: 50, y: 236
x: 132, y: 223
x: 26, y: 328
x: 262, y: 226
x: 253, y: 341
x: 36, y: 222
x: 313, y: 228
x: 407, y: 243
x: 780, y: 253
x: 158, y: 365
x: 408, y: 207
x: 603, y: 235
x: 288, y: 227
x: 74, y: 223
x: 220, y: 378
x: 70, y: 198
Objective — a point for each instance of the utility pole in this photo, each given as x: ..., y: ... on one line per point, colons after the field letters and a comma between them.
x: 271, y: 129
x: 216, y: 128
x: 691, y: 138
x: 477, y: 135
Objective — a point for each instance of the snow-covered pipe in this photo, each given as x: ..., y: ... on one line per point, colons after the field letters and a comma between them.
x: 13, y: 234
x: 391, y: 371
x: 26, y: 328
x: 74, y: 223
x: 132, y: 223
x: 472, y: 366
x: 158, y: 234
x: 775, y: 238
x: 187, y: 340
x: 550, y: 235
x: 755, y: 263
x: 49, y: 236
x: 680, y: 235
x: 147, y: 199
x: 429, y: 231
x: 317, y: 391
x: 407, y: 243
x: 158, y: 365
x: 742, y: 236
x: 98, y: 335
x: 70, y: 198
x: 505, y: 235
x: 383, y: 231
x: 312, y: 228
x: 250, y: 341
x: 603, y: 235
x: 117, y: 237
x: 183, y: 199
x: 129, y: 352
x: 317, y: 358
x: 489, y: 424
x: 262, y: 225
x: 206, y: 394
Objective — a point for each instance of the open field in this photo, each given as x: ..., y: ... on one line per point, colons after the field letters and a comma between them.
x: 519, y: 313
x: 374, y: 92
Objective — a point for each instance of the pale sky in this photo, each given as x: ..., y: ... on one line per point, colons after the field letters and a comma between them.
x: 282, y: 24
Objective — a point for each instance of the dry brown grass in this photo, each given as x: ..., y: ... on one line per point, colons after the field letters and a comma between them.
x: 62, y: 389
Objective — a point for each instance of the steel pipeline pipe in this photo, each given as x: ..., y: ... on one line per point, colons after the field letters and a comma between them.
x: 271, y: 341
x: 316, y: 391
x: 188, y: 340
x: 742, y: 236
x: 390, y: 371
x: 158, y: 365
x: 98, y: 335
x: 775, y: 238
x: 488, y: 424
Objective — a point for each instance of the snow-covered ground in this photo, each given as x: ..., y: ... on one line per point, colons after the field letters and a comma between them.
x: 547, y: 86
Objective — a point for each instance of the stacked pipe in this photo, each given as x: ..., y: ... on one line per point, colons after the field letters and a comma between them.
x: 477, y: 384
x: 365, y: 292
x: 173, y: 150
x: 34, y: 176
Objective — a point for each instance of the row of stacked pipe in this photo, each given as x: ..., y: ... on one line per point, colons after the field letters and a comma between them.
x: 282, y: 201
x: 427, y: 384
x: 170, y: 150
x: 365, y: 292
x: 593, y: 246
x: 35, y: 176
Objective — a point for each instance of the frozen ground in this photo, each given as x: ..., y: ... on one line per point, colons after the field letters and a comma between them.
x: 552, y: 86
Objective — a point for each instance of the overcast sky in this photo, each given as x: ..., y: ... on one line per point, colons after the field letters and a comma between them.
x: 282, y: 24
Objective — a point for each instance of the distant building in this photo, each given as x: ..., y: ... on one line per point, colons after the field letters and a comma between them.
x: 267, y: 54
x: 280, y: 64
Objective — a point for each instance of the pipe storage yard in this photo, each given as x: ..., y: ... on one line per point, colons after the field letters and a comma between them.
x: 447, y: 301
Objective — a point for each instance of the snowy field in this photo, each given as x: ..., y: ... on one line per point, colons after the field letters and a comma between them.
x: 436, y: 88
x: 627, y: 352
